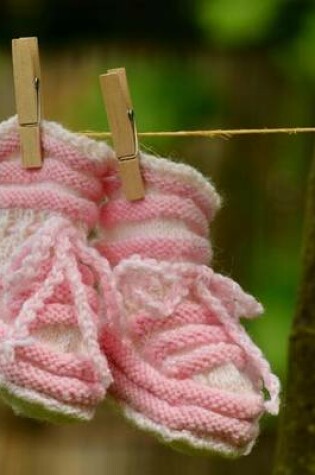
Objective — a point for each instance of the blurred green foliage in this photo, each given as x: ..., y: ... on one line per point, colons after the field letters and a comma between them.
x: 234, y: 23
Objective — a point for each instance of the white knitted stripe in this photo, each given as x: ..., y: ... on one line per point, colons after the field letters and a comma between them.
x: 7, y: 182
x: 54, y: 187
x: 228, y: 378
x: 173, y: 436
x: 189, y: 212
x: 183, y: 173
x: 152, y: 228
x: 92, y: 149
x: 47, y: 403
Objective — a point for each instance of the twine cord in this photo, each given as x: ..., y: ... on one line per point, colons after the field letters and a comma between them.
x: 215, y: 133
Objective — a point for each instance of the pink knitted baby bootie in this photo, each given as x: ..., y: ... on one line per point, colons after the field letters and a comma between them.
x: 51, y: 366
x: 183, y: 366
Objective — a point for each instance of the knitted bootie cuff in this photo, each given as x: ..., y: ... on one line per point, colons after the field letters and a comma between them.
x: 62, y: 143
x: 171, y: 222
x: 164, y: 175
x: 69, y: 182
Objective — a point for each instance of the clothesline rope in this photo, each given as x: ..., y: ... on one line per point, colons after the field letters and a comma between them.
x: 220, y: 133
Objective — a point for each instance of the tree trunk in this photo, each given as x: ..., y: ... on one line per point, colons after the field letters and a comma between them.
x: 296, y: 439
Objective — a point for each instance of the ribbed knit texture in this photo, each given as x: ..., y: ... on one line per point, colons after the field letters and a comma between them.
x: 51, y: 366
x: 171, y: 223
x: 183, y: 366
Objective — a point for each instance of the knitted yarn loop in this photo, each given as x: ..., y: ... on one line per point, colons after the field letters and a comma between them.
x: 158, y: 287
x: 62, y: 243
x: 12, y: 338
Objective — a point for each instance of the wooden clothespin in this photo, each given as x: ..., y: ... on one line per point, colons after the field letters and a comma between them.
x: 27, y: 85
x: 114, y: 86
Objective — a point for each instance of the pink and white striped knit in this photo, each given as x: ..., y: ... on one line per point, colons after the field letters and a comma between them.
x: 183, y: 366
x: 51, y: 366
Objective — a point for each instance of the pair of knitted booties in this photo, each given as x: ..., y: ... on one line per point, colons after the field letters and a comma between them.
x: 98, y: 293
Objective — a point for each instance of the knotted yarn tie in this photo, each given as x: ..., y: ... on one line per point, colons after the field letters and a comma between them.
x: 25, y: 264
x: 12, y: 334
x: 10, y: 339
x: 239, y: 335
x: 219, y: 294
x: 57, y: 233
x: 111, y: 302
x: 85, y: 314
x: 155, y: 286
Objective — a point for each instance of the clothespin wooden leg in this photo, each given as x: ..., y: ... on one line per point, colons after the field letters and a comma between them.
x: 114, y: 86
x: 27, y: 85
